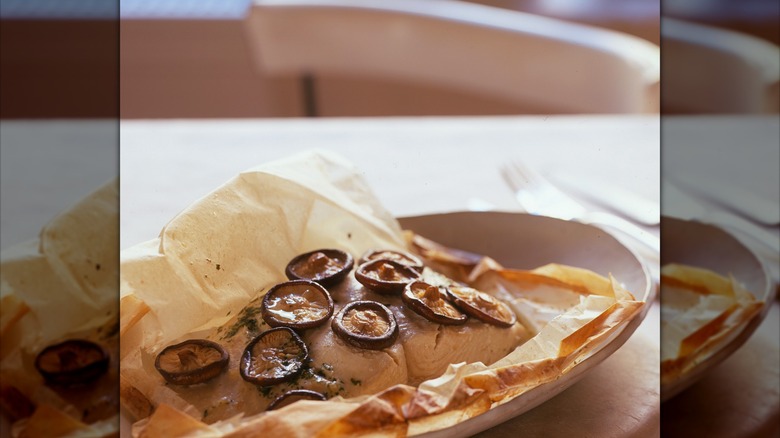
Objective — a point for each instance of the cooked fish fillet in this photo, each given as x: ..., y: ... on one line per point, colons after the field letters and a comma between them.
x: 429, y: 348
x: 424, y: 349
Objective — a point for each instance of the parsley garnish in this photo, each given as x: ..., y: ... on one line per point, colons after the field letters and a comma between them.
x: 246, y: 319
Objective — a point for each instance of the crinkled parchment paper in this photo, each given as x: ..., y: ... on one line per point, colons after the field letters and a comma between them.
x: 256, y: 222
x: 701, y: 311
x: 60, y: 285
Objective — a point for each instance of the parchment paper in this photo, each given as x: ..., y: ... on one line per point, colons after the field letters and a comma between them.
x: 254, y: 224
x: 701, y: 312
x: 58, y: 286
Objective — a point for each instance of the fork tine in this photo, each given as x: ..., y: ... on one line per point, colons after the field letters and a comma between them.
x: 517, y: 177
x: 520, y: 175
x: 508, y: 176
x: 526, y: 173
x: 537, y: 196
x: 516, y: 170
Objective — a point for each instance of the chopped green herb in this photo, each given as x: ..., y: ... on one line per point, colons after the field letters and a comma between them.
x: 355, y: 382
x: 246, y: 319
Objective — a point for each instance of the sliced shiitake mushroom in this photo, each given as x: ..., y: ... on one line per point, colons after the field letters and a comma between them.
x: 72, y: 362
x: 325, y: 266
x: 274, y: 356
x: 482, y: 306
x: 298, y: 304
x: 191, y: 362
x: 429, y: 301
x: 385, y: 276
x: 366, y: 324
x: 14, y: 403
x: 397, y: 256
x: 293, y: 396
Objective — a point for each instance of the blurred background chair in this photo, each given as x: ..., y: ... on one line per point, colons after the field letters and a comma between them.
x: 641, y: 18
x: 712, y: 70
x: 356, y: 56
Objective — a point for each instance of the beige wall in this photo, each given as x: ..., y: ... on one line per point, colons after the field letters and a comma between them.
x: 185, y: 68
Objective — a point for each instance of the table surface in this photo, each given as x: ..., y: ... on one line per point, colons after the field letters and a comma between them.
x: 46, y: 167
x: 421, y: 166
x: 742, y: 154
x: 454, y: 162
x: 417, y: 166
x: 414, y: 165
x: 740, y: 397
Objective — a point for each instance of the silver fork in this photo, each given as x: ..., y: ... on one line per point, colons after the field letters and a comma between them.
x: 538, y: 196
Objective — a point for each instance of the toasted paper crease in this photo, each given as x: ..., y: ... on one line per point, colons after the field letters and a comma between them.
x: 255, y: 223
x: 701, y: 312
x: 61, y: 285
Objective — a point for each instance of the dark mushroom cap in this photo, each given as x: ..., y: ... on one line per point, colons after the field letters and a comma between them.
x: 274, y: 356
x: 402, y: 257
x: 293, y: 396
x: 297, y: 304
x: 325, y: 266
x: 366, y: 324
x: 72, y: 362
x: 482, y: 306
x: 385, y: 276
x: 191, y: 362
x: 430, y: 302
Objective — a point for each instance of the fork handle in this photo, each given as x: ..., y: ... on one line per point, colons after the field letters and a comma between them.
x: 600, y: 218
x: 650, y: 249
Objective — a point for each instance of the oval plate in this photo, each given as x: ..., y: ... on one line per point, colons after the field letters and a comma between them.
x: 702, y: 245
x: 525, y: 242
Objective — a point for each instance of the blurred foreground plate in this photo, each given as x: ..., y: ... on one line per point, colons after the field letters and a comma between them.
x: 525, y: 241
x: 710, y: 247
